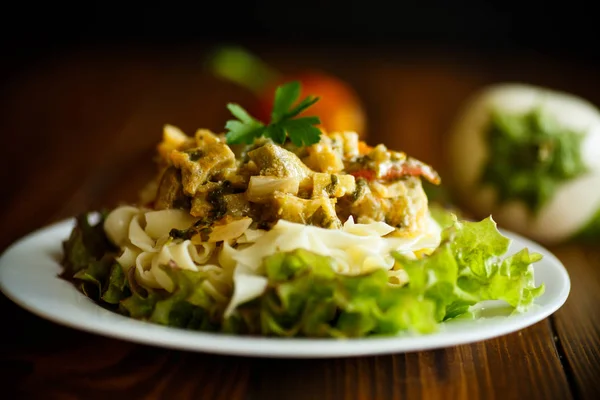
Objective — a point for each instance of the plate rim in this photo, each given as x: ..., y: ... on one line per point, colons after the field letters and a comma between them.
x: 256, y: 346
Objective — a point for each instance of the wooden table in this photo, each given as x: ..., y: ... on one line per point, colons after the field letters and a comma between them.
x: 78, y: 133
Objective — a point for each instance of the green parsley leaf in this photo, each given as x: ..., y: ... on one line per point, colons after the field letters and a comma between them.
x: 240, y: 113
x: 245, y: 130
x: 276, y: 132
x: 304, y: 104
x: 285, y: 96
x: 301, y: 131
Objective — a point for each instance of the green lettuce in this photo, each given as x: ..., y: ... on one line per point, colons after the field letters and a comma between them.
x: 86, y: 244
x: 305, y: 297
x: 89, y: 261
x: 444, y: 216
x: 116, y: 285
x: 187, y: 306
x: 467, y: 268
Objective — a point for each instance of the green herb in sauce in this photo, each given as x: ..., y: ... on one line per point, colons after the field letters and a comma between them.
x: 530, y: 155
x: 215, y: 198
x: 184, y: 234
x: 361, y: 189
x: 195, y: 154
x: 201, y: 227
x: 330, y: 189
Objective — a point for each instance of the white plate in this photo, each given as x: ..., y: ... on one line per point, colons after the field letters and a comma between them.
x: 28, y: 276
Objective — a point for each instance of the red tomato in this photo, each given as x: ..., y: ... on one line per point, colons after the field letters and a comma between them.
x: 365, y: 174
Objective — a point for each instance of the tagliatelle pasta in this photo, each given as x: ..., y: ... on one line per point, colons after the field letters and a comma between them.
x: 145, y: 242
x: 143, y: 237
x: 117, y: 224
x: 160, y: 223
x: 230, y: 231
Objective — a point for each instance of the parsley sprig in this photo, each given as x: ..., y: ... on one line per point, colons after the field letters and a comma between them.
x: 284, y: 122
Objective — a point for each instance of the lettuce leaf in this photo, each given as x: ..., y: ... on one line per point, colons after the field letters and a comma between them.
x: 89, y: 261
x: 305, y: 297
x: 466, y: 269
x: 188, y: 306
x: 442, y: 215
x: 86, y: 244
x: 116, y: 286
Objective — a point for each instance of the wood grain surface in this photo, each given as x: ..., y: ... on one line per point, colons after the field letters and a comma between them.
x: 79, y: 132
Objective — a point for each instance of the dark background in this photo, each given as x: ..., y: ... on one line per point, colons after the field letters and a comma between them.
x: 31, y: 31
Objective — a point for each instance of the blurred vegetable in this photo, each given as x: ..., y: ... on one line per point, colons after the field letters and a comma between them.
x: 339, y: 108
x: 530, y: 156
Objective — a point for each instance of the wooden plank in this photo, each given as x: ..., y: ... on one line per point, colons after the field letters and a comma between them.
x: 517, y: 366
x: 577, y: 323
x: 80, y: 365
x: 57, y: 118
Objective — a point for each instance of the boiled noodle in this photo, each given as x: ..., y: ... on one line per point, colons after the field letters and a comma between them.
x: 143, y: 238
